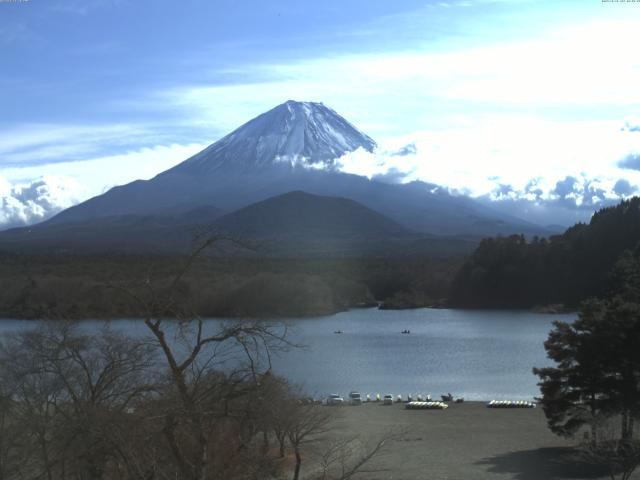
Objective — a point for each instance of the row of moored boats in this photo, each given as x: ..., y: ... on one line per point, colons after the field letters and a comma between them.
x: 420, y: 401
x: 426, y: 406
x: 510, y: 404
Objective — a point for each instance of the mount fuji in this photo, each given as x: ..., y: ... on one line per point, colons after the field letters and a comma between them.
x: 293, y: 147
x: 294, y: 134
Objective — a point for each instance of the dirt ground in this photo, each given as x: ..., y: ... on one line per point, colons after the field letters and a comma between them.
x: 465, y: 442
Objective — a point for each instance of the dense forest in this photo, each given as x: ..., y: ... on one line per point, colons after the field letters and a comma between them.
x: 503, y: 272
x: 84, y: 285
x: 513, y: 272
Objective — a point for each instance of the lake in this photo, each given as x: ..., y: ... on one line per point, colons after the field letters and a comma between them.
x: 480, y: 355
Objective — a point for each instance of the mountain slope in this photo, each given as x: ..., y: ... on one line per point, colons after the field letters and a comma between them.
x: 292, y: 134
x: 293, y: 225
x: 294, y: 216
x: 302, y: 214
x: 296, y: 224
x: 286, y: 141
x: 293, y: 147
x: 126, y: 233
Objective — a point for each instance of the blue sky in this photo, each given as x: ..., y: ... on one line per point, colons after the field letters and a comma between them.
x: 533, y: 106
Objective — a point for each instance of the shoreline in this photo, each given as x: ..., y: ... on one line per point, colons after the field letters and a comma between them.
x: 303, y: 316
x: 465, y: 441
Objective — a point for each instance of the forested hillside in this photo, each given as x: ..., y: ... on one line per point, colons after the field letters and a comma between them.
x: 81, y: 285
x: 512, y: 272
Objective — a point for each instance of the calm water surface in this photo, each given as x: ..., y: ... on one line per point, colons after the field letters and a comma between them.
x: 480, y: 355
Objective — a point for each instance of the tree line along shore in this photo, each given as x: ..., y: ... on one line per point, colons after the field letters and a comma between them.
x: 81, y: 286
x: 548, y: 275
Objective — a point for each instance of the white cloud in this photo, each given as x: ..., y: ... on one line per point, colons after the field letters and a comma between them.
x: 632, y: 124
x: 592, y: 64
x: 32, y: 144
x: 24, y: 204
x: 83, y: 7
x: 34, y: 193
x: 101, y: 173
x: 572, y: 69
x: 512, y: 158
x: 48, y: 167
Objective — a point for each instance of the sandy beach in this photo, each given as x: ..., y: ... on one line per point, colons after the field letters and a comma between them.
x: 467, y: 441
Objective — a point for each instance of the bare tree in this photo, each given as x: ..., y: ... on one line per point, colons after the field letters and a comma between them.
x: 10, y: 436
x: 344, y: 458
x: 70, y: 397
x: 211, y: 366
x: 620, y: 456
x: 305, y: 425
x: 276, y: 405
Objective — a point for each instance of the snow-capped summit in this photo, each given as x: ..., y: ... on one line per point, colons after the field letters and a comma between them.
x: 294, y: 133
x: 293, y: 147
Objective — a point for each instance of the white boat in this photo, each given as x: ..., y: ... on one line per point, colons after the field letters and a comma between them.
x: 510, y: 404
x: 426, y: 406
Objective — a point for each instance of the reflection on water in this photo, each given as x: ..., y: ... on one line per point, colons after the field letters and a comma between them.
x: 479, y: 355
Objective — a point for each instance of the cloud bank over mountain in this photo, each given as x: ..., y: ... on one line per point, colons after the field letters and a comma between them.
x: 26, y: 203
x: 555, y: 173
x: 63, y: 184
